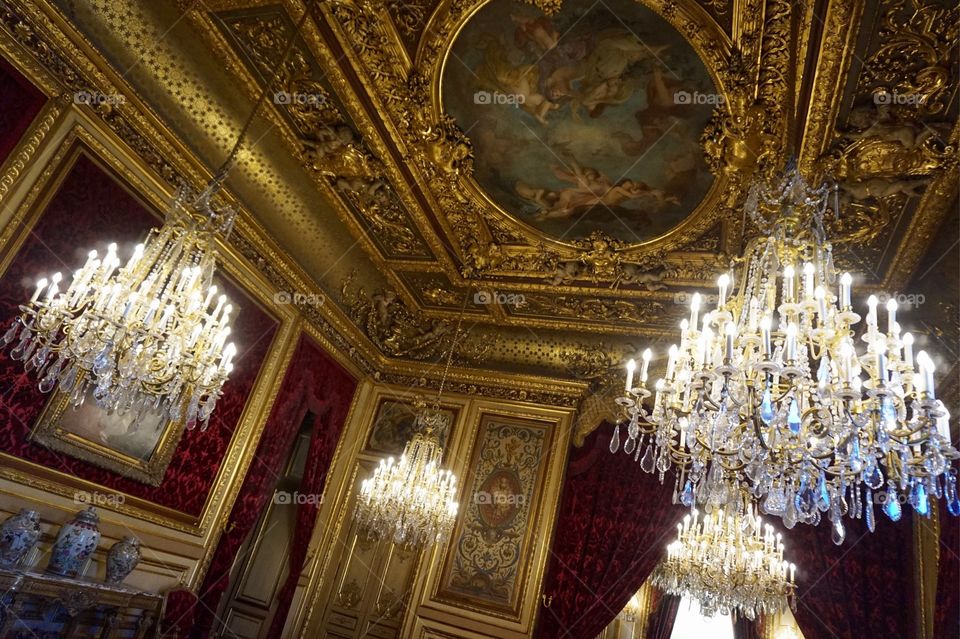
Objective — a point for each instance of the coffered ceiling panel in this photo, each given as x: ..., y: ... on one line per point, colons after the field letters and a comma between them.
x: 566, y: 171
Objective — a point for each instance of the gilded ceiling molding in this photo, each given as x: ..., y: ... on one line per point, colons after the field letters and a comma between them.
x: 841, y: 25
x: 487, y: 247
x: 33, y: 30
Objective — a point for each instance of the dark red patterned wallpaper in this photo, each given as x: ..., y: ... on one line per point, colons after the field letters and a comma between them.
x: 20, y: 101
x: 89, y: 210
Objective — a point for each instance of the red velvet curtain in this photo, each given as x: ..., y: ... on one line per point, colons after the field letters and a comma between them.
x: 743, y: 628
x: 323, y: 443
x: 864, y: 588
x: 946, y: 618
x: 315, y: 383
x: 20, y: 102
x: 613, y: 525
x: 660, y: 625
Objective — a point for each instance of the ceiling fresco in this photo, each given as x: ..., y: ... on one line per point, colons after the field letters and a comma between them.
x: 588, y: 120
x: 568, y: 237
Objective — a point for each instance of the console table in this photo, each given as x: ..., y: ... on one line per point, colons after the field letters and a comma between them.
x: 46, y: 605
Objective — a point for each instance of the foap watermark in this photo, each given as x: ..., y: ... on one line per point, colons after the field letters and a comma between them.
x: 499, y: 498
x: 697, y: 97
x: 299, y: 299
x: 509, y: 99
x: 914, y: 300
x: 706, y: 299
x: 894, y: 98
x: 496, y: 297
x: 296, y: 498
x: 284, y: 97
x: 109, y: 500
x: 94, y: 98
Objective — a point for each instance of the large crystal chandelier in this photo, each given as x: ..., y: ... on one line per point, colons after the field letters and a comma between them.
x: 412, y: 501
x: 769, y: 391
x: 149, y: 336
x: 730, y: 563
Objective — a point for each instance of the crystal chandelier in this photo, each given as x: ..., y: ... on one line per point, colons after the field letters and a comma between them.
x: 728, y: 563
x: 412, y: 501
x: 149, y: 336
x: 769, y: 391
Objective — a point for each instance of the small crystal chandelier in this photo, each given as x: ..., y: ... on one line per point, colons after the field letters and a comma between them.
x: 148, y: 336
x: 413, y: 501
x: 769, y: 390
x: 730, y: 563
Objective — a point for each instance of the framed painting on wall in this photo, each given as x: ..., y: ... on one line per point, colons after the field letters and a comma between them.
x: 395, y: 422
x: 137, y: 446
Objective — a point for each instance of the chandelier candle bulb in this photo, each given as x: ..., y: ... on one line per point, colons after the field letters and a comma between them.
x: 872, y: 302
x: 722, y: 283
x: 765, y: 332
x: 791, y: 345
x: 788, y: 293
x: 731, y: 333
x: 41, y: 284
x: 926, y: 369
x: 672, y: 361
x: 645, y: 366
x: 631, y: 366
x: 892, y: 316
x: 845, y: 282
x: 821, y: 295
x: 694, y: 309
x: 808, y: 279
x: 908, y: 350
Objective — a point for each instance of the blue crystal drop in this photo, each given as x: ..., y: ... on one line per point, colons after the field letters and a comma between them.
x: 891, y: 505
x: 888, y: 413
x: 766, y: 408
x: 793, y: 417
x: 823, y: 373
x: 686, y: 497
x: 921, y: 503
x: 823, y: 498
x: 953, y: 505
x: 950, y: 494
x: 871, y: 522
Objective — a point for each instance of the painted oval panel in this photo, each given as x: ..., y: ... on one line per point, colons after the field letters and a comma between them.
x: 500, y: 498
x: 583, y: 121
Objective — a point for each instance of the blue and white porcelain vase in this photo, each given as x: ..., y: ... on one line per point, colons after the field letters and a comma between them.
x: 122, y: 559
x: 75, y: 543
x: 18, y: 535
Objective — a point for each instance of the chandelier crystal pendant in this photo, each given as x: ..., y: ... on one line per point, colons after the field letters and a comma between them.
x: 412, y: 501
x: 148, y: 336
x: 777, y: 390
x: 732, y: 564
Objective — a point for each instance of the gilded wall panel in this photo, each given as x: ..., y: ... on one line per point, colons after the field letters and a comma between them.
x: 486, y: 560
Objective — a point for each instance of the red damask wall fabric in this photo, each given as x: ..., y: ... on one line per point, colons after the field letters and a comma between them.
x: 314, y: 383
x: 89, y: 210
x: 20, y: 102
x: 661, y: 621
x: 946, y: 618
x: 863, y: 588
x: 613, y: 526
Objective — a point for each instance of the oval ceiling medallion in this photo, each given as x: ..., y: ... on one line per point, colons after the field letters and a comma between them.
x: 588, y: 120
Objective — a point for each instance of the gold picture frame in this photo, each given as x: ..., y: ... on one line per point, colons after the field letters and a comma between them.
x: 139, y: 451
